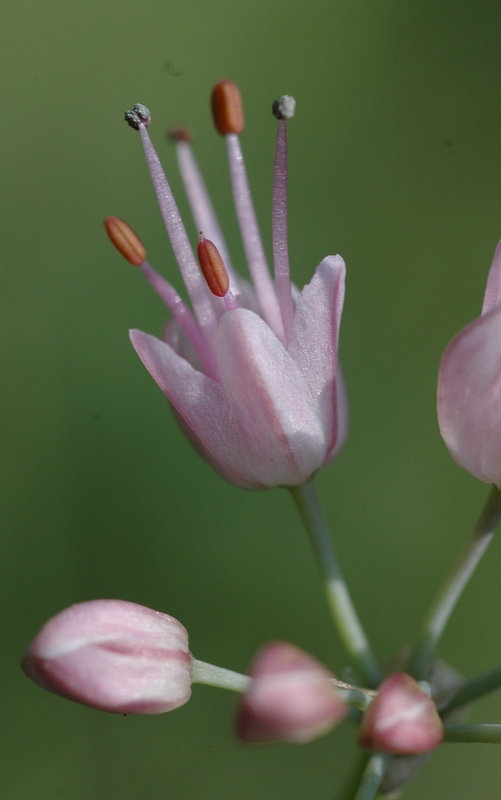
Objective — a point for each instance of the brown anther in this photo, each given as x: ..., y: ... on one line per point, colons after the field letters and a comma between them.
x: 212, y: 266
x: 179, y: 134
x: 227, y: 108
x: 125, y: 240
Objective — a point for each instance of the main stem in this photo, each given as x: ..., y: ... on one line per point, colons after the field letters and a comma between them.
x: 338, y: 596
x: 444, y: 604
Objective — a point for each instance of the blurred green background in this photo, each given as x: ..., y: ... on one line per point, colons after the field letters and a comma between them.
x: 395, y: 162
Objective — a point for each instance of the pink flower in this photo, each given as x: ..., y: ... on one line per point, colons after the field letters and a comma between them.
x: 469, y: 388
x: 401, y: 719
x: 252, y: 371
x: 115, y: 656
x: 291, y: 698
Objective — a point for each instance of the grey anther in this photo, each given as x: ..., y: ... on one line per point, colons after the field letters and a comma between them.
x: 139, y: 115
x: 284, y: 107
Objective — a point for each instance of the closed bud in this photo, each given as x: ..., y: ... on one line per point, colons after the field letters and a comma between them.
x: 291, y: 698
x: 401, y: 719
x: 115, y: 656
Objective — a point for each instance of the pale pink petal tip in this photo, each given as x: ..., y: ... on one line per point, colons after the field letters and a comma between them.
x: 291, y: 698
x: 402, y: 719
x: 115, y: 656
x: 492, y: 296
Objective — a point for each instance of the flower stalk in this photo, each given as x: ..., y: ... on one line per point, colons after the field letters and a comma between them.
x: 372, y: 777
x: 474, y: 688
x: 211, y: 675
x: 447, y: 598
x: 338, y: 597
x: 480, y: 734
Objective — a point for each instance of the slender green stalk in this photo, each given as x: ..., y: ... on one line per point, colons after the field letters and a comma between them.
x: 444, y: 604
x: 338, y: 597
x: 484, y: 734
x: 474, y: 688
x: 351, y: 785
x: 211, y: 675
x: 372, y: 777
x: 201, y: 672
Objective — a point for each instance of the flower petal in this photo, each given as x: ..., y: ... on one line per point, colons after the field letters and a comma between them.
x: 469, y: 397
x: 270, y: 401
x: 492, y: 294
x: 314, y: 344
x: 201, y: 407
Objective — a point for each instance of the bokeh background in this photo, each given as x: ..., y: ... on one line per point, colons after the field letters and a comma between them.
x: 395, y: 162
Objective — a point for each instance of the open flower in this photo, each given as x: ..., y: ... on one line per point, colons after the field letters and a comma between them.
x: 251, y: 371
x: 115, y: 656
x: 469, y: 388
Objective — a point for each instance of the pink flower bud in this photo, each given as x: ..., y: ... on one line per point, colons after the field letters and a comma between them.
x: 291, y: 698
x: 115, y: 656
x: 401, y: 719
x: 469, y: 388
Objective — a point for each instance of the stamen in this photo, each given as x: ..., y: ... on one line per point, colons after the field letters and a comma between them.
x: 125, y: 240
x: 179, y: 310
x: 199, y: 199
x: 193, y: 279
x: 179, y: 134
x: 283, y: 109
x: 139, y: 115
x: 212, y: 266
x: 130, y: 246
x: 226, y: 102
x: 227, y: 108
x: 253, y: 245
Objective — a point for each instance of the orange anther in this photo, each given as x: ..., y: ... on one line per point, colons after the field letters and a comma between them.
x: 213, y: 268
x: 179, y: 134
x: 125, y: 240
x: 227, y: 108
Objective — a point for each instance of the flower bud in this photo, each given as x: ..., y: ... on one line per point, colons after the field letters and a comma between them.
x: 291, y: 698
x: 113, y: 655
x: 401, y: 719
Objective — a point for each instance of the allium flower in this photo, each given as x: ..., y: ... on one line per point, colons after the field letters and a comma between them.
x: 251, y: 371
x: 401, y: 719
x: 291, y: 698
x: 469, y: 388
x: 115, y: 656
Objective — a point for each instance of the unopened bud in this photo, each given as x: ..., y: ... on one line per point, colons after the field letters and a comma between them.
x: 291, y: 698
x: 139, y: 115
x: 284, y: 107
x: 212, y: 266
x: 115, y: 656
x: 125, y: 240
x: 227, y: 108
x: 401, y: 719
